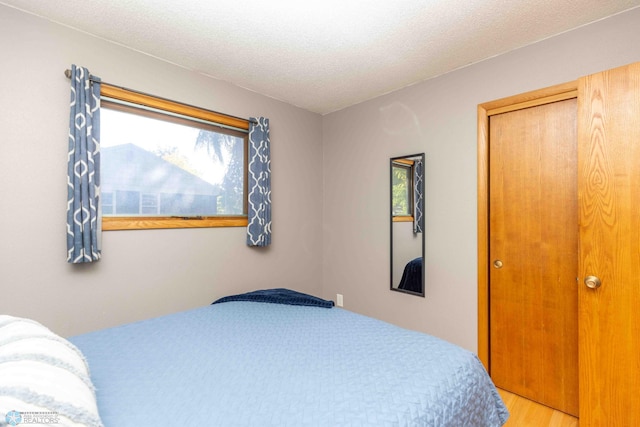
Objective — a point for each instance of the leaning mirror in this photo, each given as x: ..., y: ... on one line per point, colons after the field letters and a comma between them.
x: 407, y: 224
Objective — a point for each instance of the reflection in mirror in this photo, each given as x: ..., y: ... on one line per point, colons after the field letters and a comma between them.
x: 407, y: 224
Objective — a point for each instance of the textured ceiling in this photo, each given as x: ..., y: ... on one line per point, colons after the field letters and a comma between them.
x: 323, y: 55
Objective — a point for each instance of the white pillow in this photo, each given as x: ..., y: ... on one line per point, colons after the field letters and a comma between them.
x: 43, y: 378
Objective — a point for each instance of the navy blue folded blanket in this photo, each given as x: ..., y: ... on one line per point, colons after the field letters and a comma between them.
x: 278, y: 296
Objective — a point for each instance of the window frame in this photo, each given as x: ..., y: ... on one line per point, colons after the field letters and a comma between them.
x: 115, y: 93
x: 409, y: 166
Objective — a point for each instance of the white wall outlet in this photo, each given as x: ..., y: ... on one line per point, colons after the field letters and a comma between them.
x: 339, y: 301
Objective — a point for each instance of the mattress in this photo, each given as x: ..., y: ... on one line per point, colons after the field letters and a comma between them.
x: 246, y: 363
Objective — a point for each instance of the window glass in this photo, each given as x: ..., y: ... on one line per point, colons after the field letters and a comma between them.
x: 401, y: 190
x: 161, y: 165
x: 107, y: 203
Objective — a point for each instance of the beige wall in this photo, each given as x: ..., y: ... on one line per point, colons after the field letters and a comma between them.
x: 438, y: 117
x: 142, y: 273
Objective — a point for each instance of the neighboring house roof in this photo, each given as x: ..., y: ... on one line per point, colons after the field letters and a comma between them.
x: 131, y: 168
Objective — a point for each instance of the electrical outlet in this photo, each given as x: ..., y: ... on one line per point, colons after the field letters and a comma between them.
x: 339, y: 301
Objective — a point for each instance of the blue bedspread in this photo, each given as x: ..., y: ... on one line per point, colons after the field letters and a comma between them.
x: 257, y: 364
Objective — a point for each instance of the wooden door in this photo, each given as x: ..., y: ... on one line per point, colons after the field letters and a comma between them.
x: 533, y: 253
x: 609, y: 197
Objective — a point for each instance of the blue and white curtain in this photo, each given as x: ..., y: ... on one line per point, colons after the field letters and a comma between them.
x: 259, y: 173
x: 418, y: 196
x: 83, y: 180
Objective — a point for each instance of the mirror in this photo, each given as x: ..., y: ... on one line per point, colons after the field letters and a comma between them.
x: 407, y: 224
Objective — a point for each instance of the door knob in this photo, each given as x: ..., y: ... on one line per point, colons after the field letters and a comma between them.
x: 592, y: 282
x: 497, y: 263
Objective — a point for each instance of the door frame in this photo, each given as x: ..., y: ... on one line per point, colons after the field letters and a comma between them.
x: 485, y: 111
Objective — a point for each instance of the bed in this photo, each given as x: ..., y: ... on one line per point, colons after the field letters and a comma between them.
x: 243, y: 362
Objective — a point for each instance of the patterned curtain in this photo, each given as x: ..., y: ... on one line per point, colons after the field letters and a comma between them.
x: 83, y: 180
x: 259, y: 227
x: 418, y: 196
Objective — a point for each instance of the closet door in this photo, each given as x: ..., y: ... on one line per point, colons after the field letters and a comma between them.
x: 609, y: 220
x: 533, y: 247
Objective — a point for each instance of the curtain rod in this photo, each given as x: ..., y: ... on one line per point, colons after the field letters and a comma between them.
x: 67, y: 73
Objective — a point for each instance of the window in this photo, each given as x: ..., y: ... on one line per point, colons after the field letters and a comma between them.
x: 402, y: 190
x: 169, y: 165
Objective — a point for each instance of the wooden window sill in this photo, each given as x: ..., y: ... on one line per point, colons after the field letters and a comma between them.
x: 150, y: 223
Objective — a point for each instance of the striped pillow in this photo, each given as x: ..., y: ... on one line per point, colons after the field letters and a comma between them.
x: 43, y: 376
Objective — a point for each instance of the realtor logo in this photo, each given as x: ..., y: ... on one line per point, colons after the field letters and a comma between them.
x: 13, y: 418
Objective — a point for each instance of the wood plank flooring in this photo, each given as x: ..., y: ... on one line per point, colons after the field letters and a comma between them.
x: 526, y: 413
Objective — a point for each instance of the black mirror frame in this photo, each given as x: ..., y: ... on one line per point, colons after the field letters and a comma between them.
x: 391, y: 162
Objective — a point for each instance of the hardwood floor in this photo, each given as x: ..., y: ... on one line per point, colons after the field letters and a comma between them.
x: 526, y: 413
